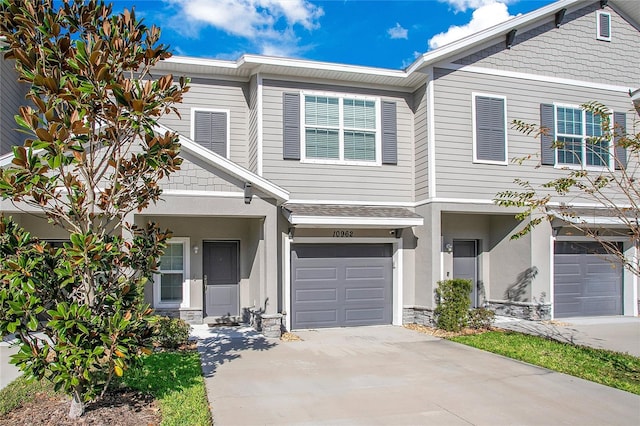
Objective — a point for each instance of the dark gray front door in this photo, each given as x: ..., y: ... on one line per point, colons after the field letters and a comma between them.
x: 465, y: 264
x: 586, y: 283
x: 341, y: 285
x: 221, y: 275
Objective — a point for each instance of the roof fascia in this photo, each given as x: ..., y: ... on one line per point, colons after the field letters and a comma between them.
x: 341, y: 83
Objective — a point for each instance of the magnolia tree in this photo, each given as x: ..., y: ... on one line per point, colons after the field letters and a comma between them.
x: 614, y: 188
x: 91, y: 159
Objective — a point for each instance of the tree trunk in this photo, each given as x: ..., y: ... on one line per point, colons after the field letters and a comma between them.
x: 76, y: 409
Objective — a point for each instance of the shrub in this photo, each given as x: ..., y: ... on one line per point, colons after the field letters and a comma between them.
x: 170, y: 333
x: 481, y: 318
x: 452, y: 312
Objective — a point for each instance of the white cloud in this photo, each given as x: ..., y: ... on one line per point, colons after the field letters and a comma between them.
x: 398, y: 32
x: 409, y: 61
x: 268, y: 23
x: 487, y: 15
x: 464, y: 5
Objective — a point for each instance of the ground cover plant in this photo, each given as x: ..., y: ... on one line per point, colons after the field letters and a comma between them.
x: 621, y: 371
x: 167, y: 389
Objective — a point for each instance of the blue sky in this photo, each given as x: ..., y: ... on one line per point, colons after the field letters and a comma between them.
x: 379, y: 33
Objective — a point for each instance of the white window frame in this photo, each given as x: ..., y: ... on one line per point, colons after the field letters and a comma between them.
x: 474, y: 95
x: 186, y: 283
x: 341, y: 128
x: 598, y: 36
x: 227, y: 112
x: 583, y: 161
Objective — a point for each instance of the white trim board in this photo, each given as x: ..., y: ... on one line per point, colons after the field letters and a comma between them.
x: 534, y: 77
x: 332, y: 221
x: 431, y: 134
x: 259, y: 123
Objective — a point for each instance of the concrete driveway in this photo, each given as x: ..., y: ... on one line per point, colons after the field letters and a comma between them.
x: 391, y: 376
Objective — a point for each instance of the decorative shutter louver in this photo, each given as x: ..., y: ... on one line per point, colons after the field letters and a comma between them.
x: 389, y: 133
x: 620, y: 128
x: 604, y: 26
x: 490, y: 129
x: 547, y: 120
x: 211, y: 131
x: 291, y: 126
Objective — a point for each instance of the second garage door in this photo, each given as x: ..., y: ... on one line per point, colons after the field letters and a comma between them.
x: 586, y: 282
x: 341, y: 285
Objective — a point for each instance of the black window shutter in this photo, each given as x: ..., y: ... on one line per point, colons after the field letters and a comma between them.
x: 490, y: 129
x: 620, y: 128
x: 389, y: 133
x: 291, y: 126
x: 211, y: 131
x: 547, y: 122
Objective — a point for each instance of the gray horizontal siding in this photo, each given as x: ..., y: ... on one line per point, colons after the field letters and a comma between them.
x: 217, y: 94
x: 12, y: 96
x: 456, y: 174
x: 337, y: 182
x: 421, y: 136
x: 570, y: 51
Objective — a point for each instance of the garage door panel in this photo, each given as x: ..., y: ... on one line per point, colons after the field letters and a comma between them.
x: 317, y: 318
x: 308, y: 273
x: 365, y: 272
x: 320, y: 294
x: 364, y: 316
x: 358, y: 292
x: 368, y: 294
x: 586, y: 283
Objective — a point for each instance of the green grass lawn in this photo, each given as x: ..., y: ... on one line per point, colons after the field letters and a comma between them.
x: 21, y: 391
x: 173, y: 378
x: 609, y: 368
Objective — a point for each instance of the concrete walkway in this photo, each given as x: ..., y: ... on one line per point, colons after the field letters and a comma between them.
x: 390, y: 376
x: 8, y: 372
x: 620, y: 334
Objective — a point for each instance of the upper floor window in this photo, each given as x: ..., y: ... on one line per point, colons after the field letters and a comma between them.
x: 489, y: 129
x: 341, y: 129
x: 575, y: 137
x: 579, y: 135
x: 210, y: 128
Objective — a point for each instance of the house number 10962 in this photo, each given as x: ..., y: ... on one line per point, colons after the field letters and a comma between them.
x: 342, y: 233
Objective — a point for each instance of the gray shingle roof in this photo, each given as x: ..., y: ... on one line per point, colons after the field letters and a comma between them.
x: 332, y: 210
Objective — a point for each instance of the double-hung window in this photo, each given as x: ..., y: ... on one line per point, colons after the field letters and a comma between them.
x: 580, y: 138
x: 341, y: 129
x: 171, y: 285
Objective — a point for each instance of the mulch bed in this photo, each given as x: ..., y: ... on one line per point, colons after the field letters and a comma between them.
x: 118, y: 407
x: 441, y: 333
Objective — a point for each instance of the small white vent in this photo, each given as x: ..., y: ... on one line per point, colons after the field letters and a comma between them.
x: 603, y: 24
